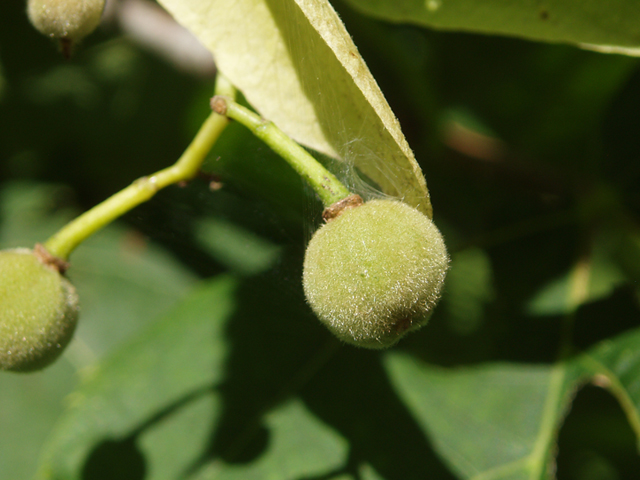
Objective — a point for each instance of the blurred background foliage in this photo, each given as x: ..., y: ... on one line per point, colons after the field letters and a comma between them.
x: 196, y: 356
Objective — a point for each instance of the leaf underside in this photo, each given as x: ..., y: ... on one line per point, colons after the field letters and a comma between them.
x: 282, y: 54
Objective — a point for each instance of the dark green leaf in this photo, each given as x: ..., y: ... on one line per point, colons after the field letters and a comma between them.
x: 608, y: 24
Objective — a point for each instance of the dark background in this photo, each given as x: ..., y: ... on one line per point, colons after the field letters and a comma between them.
x: 529, y: 150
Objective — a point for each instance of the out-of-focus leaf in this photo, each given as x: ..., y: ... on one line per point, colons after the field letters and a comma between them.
x: 605, y: 275
x: 240, y: 250
x: 615, y: 364
x: 165, y: 389
x: 544, y: 104
x: 610, y: 27
x: 283, y: 55
x: 499, y: 421
x: 123, y: 284
x: 172, y: 363
x: 29, y: 407
x: 299, y: 446
x: 469, y: 288
x: 491, y: 421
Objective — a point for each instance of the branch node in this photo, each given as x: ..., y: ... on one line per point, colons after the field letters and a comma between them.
x: 219, y: 105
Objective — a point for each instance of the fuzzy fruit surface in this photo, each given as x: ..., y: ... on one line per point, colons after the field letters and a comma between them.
x: 38, y: 311
x: 375, y: 272
x: 65, y: 19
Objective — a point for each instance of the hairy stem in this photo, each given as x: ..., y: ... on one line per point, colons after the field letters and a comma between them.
x: 324, y: 183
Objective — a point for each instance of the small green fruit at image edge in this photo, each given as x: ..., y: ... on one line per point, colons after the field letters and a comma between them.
x: 67, y: 20
x: 375, y: 272
x: 38, y: 310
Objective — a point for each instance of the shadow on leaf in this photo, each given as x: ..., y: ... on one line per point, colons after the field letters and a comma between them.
x: 280, y: 351
x: 120, y: 459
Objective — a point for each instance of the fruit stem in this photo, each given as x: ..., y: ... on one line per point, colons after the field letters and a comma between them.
x: 324, y: 183
x: 71, y: 235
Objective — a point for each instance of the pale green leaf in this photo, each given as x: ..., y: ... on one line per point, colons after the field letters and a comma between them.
x: 145, y: 382
x: 297, y: 65
x: 609, y: 27
x: 29, y: 407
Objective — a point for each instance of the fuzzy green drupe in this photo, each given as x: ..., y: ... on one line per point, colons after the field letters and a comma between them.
x: 375, y: 272
x: 38, y: 311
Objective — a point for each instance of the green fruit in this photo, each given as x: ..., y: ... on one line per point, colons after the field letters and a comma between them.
x: 375, y: 272
x: 38, y: 311
x: 69, y: 20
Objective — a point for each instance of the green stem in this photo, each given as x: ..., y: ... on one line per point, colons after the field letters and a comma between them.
x: 324, y: 183
x: 70, y: 236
